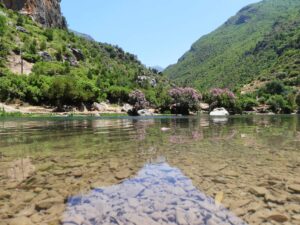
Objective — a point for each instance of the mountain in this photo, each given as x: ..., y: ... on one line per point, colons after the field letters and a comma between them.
x: 85, y: 36
x: 46, y: 65
x: 261, y: 42
x: 45, y: 12
x: 158, y: 68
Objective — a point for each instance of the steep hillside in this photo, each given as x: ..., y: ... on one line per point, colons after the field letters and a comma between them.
x: 45, y: 12
x: 260, y: 42
x: 53, y: 66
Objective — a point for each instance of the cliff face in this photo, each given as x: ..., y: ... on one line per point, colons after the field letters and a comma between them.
x: 46, y: 12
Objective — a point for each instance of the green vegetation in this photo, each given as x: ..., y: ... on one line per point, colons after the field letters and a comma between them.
x: 262, y: 43
x: 67, y: 69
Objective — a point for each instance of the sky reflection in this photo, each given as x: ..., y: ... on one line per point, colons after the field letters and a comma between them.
x: 159, y: 194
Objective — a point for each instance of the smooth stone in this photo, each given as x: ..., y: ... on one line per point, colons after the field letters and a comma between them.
x: 278, y: 218
x: 125, y: 173
x: 180, y: 217
x: 275, y: 198
x: 77, y: 173
x: 48, y: 203
x: 4, y: 195
x: 295, y: 188
x: 258, y: 191
x: 296, y: 217
x: 294, y: 198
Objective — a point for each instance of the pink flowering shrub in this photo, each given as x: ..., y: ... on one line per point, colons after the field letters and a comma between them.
x: 221, y: 98
x: 138, y: 100
x: 184, y: 100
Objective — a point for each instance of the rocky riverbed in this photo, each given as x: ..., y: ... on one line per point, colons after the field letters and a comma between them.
x: 241, y: 170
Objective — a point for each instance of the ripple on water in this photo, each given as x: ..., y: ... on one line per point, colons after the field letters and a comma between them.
x: 159, y: 194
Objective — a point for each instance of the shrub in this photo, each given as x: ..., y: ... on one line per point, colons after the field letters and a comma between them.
x: 49, y: 34
x: 184, y: 100
x: 50, y: 68
x: 12, y: 87
x: 31, y: 57
x: 279, y: 105
x: 247, y: 103
x: 298, y: 100
x: 138, y: 100
x: 116, y: 94
x: 20, y: 21
x: 2, y: 25
x: 273, y: 88
x: 218, y: 97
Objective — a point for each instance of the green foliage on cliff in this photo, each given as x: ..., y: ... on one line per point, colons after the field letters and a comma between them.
x: 262, y: 42
x: 67, y: 69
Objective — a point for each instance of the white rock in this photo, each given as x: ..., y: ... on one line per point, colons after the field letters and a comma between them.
x: 219, y: 112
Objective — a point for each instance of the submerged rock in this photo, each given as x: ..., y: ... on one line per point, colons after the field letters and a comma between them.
x: 159, y: 194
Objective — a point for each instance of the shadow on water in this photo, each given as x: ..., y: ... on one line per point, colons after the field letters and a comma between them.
x: 159, y: 194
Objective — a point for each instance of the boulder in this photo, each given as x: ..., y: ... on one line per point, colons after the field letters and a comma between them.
x: 82, y: 108
x: 145, y: 112
x: 45, y: 56
x: 21, y: 29
x: 100, y: 107
x: 219, y: 112
x: 78, y: 54
x: 127, y: 108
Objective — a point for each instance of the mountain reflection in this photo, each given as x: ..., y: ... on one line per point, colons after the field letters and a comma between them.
x: 159, y: 194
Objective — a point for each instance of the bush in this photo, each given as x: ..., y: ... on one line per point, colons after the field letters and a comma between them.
x: 279, y: 105
x: 12, y: 87
x: 2, y: 25
x: 50, y: 68
x: 118, y: 94
x: 20, y: 20
x: 273, y: 88
x: 138, y: 100
x: 218, y: 97
x: 31, y: 57
x: 71, y: 90
x: 247, y: 103
x: 49, y: 34
x: 184, y: 100
x: 298, y: 100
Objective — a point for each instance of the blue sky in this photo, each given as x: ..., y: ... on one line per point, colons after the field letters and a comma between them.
x: 157, y: 31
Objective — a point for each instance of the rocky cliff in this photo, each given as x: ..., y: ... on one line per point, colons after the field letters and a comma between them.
x: 46, y: 12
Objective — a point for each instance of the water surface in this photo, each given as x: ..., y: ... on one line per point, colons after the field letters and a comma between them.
x: 241, y: 170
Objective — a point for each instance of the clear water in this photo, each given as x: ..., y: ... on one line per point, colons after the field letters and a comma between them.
x: 196, y: 170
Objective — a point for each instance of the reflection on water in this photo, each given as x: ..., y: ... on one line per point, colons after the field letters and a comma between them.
x: 250, y: 165
x: 159, y: 194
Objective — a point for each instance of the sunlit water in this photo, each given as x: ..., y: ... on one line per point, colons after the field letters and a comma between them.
x: 197, y: 170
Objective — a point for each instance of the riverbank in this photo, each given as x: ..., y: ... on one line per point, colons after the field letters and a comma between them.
x: 17, y: 110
